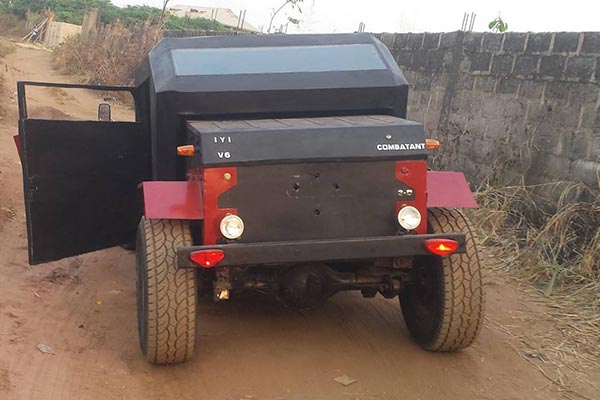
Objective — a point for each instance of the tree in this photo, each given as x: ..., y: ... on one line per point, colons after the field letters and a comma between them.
x: 294, y: 4
x: 164, y: 9
x: 498, y: 25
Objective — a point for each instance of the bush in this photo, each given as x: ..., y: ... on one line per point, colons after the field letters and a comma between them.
x: 12, y: 26
x: 109, y: 56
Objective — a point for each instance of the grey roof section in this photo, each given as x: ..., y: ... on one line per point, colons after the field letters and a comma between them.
x: 162, y: 64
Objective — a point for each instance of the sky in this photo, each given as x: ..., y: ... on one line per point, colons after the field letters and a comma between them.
x: 325, y: 16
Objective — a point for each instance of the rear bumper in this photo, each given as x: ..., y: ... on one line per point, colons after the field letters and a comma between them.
x: 243, y: 254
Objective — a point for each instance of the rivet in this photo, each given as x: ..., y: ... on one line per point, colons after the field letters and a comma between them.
x: 404, y: 170
x: 227, y: 176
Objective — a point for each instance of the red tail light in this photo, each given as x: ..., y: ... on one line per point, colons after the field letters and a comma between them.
x: 441, y: 247
x: 207, y: 258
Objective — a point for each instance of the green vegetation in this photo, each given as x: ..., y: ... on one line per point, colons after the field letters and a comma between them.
x: 72, y: 11
x: 498, y: 25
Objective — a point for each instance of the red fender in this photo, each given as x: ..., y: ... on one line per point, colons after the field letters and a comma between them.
x: 18, y: 144
x: 448, y: 190
x: 173, y: 200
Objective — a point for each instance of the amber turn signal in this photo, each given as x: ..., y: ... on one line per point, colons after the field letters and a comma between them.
x: 432, y: 144
x: 187, y: 151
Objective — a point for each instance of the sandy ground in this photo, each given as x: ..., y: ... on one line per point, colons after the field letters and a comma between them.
x: 250, y: 348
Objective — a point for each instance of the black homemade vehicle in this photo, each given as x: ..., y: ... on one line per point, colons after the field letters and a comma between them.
x: 282, y: 164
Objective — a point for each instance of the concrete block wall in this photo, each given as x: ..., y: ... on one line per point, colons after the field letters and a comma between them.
x: 507, y: 106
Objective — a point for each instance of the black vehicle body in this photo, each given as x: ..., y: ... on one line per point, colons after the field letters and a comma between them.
x: 303, y: 137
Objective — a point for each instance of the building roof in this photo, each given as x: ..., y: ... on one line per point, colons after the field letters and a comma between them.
x: 223, y: 15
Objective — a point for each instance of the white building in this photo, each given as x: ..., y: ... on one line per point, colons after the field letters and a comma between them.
x: 223, y: 15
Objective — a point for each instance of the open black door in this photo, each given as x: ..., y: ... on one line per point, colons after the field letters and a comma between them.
x: 81, y: 182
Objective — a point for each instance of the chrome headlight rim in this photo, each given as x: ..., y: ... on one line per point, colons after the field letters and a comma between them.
x: 225, y: 228
x: 411, y: 212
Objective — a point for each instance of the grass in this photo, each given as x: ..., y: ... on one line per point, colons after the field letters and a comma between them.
x: 550, y: 229
x: 547, y: 237
x: 6, y: 48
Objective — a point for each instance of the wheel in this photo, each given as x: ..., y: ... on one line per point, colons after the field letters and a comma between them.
x: 443, y: 308
x: 166, y: 297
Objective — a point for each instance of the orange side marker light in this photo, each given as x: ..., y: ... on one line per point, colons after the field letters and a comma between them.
x: 432, y: 144
x: 187, y: 151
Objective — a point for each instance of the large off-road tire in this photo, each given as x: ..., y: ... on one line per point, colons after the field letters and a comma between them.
x: 443, y: 308
x: 166, y: 296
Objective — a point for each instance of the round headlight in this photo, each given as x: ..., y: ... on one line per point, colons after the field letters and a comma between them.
x: 232, y: 226
x: 409, y: 218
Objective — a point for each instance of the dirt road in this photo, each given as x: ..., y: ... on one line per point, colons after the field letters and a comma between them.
x: 250, y: 348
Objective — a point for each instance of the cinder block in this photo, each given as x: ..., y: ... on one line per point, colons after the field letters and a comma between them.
x: 580, y: 67
x: 526, y: 66
x: 410, y: 76
x: 513, y: 109
x: 492, y: 42
x: 591, y: 42
x: 537, y: 112
x: 415, y: 40
x: 492, y: 106
x: 585, y: 171
x: 555, y: 166
x: 401, y: 40
x: 507, y: 86
x: 552, y: 66
x: 404, y: 58
x: 580, y: 144
x: 589, y: 117
x: 388, y: 39
x: 472, y: 41
x: 423, y: 81
x: 557, y: 93
x: 432, y: 120
x: 419, y: 61
x: 514, y: 42
x: 565, y: 42
x: 471, y: 103
x: 431, y: 40
x: 477, y: 125
x: 502, y: 64
x: 435, y: 61
x: 531, y: 89
x: 538, y: 42
x: 450, y: 39
x: 496, y: 129
x: 584, y: 93
x: 465, y: 82
x: 480, y: 62
x: 485, y: 83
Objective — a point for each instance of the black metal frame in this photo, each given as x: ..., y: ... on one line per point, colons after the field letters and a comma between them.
x: 80, y: 179
x: 22, y: 95
x: 304, y: 251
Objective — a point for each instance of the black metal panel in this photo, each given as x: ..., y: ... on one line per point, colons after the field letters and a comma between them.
x: 315, y: 200
x: 307, y: 139
x: 173, y: 98
x: 80, y: 184
x: 320, y: 250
